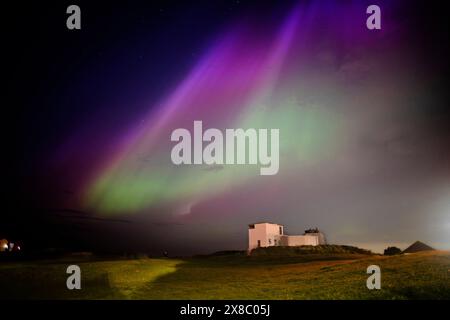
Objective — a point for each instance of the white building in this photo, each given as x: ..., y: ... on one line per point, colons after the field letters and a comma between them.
x: 266, y: 234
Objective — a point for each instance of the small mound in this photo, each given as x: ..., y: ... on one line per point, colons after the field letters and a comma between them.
x: 418, y: 247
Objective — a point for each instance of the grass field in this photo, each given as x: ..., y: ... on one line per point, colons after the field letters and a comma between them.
x: 308, y: 276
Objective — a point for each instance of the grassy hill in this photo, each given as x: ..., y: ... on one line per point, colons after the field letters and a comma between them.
x: 328, y: 249
x: 264, y: 275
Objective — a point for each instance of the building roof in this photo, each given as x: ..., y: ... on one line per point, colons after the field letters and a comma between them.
x: 263, y: 222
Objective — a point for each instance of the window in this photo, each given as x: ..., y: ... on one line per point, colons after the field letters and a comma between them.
x: 270, y: 241
x: 281, y: 230
x: 259, y: 243
x: 275, y: 240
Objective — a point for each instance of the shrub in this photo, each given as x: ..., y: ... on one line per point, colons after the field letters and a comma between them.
x: 390, y: 251
x: 302, y: 250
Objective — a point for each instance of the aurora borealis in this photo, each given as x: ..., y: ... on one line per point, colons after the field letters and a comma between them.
x: 243, y: 80
x: 362, y: 128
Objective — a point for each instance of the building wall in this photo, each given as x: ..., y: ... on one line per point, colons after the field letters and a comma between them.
x: 304, y: 240
x: 321, y: 237
x: 267, y: 233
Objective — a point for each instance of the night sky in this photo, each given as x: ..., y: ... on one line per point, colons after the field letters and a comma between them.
x: 363, y: 118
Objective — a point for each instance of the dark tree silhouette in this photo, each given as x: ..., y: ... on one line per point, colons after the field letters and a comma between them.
x: 390, y: 251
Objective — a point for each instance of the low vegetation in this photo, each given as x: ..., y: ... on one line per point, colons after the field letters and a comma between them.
x: 390, y: 251
x: 302, y: 250
x: 266, y: 274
